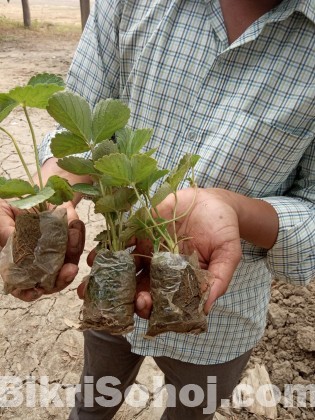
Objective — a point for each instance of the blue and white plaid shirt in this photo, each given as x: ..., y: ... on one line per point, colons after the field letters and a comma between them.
x: 247, y: 109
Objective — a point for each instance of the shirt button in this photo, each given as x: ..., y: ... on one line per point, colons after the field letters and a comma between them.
x: 191, y: 135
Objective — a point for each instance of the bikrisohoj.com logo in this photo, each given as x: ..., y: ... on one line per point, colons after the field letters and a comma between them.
x: 31, y: 391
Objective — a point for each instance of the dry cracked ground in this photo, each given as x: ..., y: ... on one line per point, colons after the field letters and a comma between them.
x: 39, y: 341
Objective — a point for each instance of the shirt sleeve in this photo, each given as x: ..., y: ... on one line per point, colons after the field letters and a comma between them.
x: 95, y: 68
x: 292, y: 258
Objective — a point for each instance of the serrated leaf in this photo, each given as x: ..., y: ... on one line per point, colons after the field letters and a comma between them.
x: 117, y: 166
x: 6, y: 105
x: 178, y: 174
x: 151, y: 151
x: 136, y: 225
x: 104, y: 148
x: 109, y: 116
x: 15, y: 188
x: 77, y: 165
x: 36, y: 96
x: 120, y: 200
x: 46, y: 79
x: 101, y: 236
x: 131, y: 142
x: 126, y: 171
x: 86, y: 189
x: 63, y: 191
x: 139, y: 139
x: 72, y: 112
x: 66, y: 143
x: 151, y: 179
x: 142, y: 167
x: 160, y: 195
x: 33, y: 200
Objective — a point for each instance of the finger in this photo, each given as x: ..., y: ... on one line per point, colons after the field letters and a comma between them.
x: 222, y: 267
x: 76, y: 241
x: 5, y: 233
x: 28, y: 295
x: 90, y: 258
x: 65, y: 277
x: 82, y: 288
x: 143, y: 304
x: 72, y: 215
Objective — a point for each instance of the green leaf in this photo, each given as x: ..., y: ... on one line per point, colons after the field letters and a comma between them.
x: 104, y: 148
x: 15, y: 188
x: 151, y: 151
x: 65, y: 144
x: 33, y: 200
x: 6, y: 105
x: 136, y: 225
x: 121, y: 200
x: 77, y: 165
x: 36, y: 96
x: 126, y: 171
x: 164, y: 190
x: 117, y: 166
x: 178, y: 174
x: 101, y: 236
x: 131, y: 142
x: 151, y: 179
x: 142, y: 167
x: 86, y: 189
x: 72, y: 112
x: 109, y: 116
x: 46, y: 79
x: 63, y: 191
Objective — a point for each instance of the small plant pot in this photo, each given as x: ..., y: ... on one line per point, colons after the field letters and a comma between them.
x: 109, y: 297
x: 177, y: 299
x: 34, y: 254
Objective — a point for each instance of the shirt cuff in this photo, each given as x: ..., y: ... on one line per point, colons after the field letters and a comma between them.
x: 292, y: 258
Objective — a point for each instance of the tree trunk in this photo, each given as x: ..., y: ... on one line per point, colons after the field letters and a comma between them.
x: 85, y: 11
x: 26, y: 13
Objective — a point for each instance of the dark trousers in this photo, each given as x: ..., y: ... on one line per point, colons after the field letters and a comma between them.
x: 195, y: 391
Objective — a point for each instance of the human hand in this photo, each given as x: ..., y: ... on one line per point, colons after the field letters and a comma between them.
x: 211, y: 229
x: 216, y: 221
x: 76, y: 238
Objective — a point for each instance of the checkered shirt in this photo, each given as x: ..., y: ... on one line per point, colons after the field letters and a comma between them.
x: 246, y: 108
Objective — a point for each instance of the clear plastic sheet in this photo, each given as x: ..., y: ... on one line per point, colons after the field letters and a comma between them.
x: 35, y: 252
x: 176, y: 283
x: 109, y: 297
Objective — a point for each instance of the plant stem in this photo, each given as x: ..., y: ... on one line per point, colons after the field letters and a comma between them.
x: 29, y: 176
x: 38, y: 168
x: 167, y: 238
x: 176, y: 249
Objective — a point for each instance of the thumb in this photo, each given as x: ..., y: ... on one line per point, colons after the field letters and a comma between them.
x: 5, y: 233
x: 222, y: 267
x: 76, y: 236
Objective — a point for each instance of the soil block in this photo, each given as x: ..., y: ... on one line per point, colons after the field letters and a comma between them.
x: 109, y: 298
x: 177, y: 299
x: 35, y: 252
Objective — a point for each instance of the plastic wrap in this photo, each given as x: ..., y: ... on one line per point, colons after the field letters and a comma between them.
x: 109, y: 297
x: 176, y: 292
x: 35, y: 252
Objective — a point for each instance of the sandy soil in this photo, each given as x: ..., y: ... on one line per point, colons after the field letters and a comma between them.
x: 40, y: 339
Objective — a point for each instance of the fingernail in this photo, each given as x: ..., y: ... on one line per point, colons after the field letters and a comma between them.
x: 75, y: 224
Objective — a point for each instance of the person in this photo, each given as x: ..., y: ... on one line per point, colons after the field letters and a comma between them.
x: 234, y: 83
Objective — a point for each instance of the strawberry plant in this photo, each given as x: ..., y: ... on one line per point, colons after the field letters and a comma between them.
x: 123, y: 177
x: 35, y: 252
